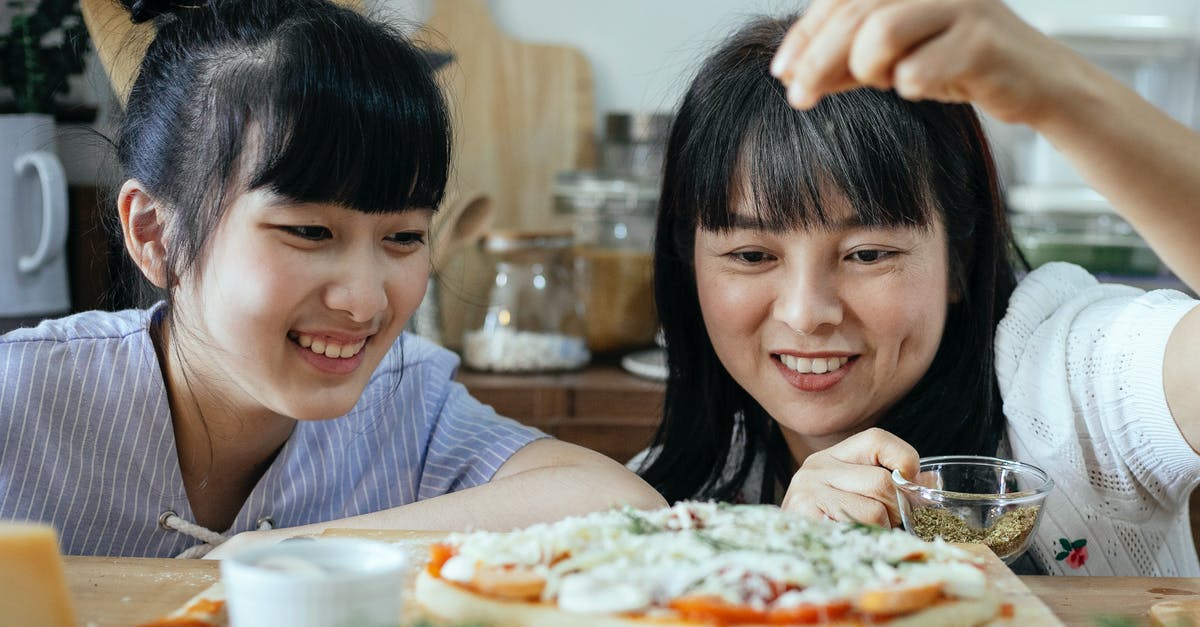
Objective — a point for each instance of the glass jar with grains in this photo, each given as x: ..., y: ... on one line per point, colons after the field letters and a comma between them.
x: 614, y: 226
x: 533, y: 321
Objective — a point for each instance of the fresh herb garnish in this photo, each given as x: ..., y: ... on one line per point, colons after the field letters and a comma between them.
x: 866, y: 527
x: 640, y: 526
x: 716, y: 544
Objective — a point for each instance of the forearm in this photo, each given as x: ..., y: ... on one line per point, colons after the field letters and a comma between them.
x: 531, y: 496
x: 1144, y: 162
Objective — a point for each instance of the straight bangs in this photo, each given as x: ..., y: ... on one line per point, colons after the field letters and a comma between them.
x: 359, y: 121
x: 789, y: 166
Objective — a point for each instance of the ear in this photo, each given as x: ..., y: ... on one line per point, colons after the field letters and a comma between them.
x: 143, y: 222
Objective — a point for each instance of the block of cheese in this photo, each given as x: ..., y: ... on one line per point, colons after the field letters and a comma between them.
x: 35, y: 592
x: 1175, y: 613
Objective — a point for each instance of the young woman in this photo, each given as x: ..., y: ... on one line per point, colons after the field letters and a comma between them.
x: 283, y: 159
x: 835, y: 277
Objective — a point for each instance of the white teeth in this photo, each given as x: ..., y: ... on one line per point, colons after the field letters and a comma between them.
x: 817, y: 365
x: 329, y: 349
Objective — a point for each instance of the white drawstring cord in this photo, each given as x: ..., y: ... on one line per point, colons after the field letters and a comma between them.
x: 171, y: 521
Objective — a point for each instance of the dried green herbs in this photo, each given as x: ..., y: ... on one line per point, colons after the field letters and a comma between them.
x: 1005, y: 536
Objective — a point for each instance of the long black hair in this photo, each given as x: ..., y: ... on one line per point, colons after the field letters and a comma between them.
x: 308, y: 99
x: 897, y: 163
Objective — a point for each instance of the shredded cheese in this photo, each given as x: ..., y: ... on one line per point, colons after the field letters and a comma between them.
x: 751, y: 555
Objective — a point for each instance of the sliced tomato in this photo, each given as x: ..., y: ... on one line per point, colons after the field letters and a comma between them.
x: 715, y: 610
x: 439, y: 554
x: 508, y: 582
x: 894, y: 600
x: 810, y: 614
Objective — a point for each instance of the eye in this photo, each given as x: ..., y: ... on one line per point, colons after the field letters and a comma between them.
x: 403, y: 238
x: 870, y: 255
x: 312, y: 233
x: 750, y: 257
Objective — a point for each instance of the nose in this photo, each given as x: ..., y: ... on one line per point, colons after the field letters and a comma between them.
x: 808, y: 300
x: 359, y: 288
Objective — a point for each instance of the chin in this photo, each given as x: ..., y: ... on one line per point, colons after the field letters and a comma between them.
x: 811, y: 426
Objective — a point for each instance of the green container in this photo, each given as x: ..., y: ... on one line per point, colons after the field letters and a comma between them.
x: 1101, y: 243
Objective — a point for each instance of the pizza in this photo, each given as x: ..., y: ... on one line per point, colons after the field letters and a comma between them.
x: 704, y: 564
x: 206, y: 609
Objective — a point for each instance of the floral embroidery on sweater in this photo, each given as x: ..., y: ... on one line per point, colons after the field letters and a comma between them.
x: 1075, y: 553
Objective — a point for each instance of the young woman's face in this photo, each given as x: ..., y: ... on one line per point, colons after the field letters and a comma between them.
x: 826, y: 329
x: 293, y: 306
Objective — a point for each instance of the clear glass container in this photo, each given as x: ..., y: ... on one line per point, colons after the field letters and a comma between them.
x: 968, y: 498
x: 534, y: 320
x: 633, y: 144
x: 614, y: 229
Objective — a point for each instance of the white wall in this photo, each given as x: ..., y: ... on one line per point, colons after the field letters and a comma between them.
x: 642, y: 52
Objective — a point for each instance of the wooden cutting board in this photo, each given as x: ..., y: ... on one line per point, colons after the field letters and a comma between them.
x: 521, y: 112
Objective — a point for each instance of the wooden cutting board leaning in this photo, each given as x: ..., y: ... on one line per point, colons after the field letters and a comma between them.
x: 521, y: 112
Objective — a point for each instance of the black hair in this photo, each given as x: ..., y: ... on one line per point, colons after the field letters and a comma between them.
x: 305, y: 98
x: 898, y: 163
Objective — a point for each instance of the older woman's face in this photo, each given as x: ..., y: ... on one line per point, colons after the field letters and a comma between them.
x: 825, y: 328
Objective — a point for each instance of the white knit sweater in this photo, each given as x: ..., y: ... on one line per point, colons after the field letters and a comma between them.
x: 1080, y: 370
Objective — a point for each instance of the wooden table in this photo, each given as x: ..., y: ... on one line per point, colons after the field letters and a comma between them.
x: 125, y: 591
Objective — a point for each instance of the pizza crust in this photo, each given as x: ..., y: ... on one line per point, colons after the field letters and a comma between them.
x: 447, y: 601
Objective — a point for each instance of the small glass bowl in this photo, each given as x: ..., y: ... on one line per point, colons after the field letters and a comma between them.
x: 968, y: 498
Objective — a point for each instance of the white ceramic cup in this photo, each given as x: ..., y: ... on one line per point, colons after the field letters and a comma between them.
x: 325, y: 582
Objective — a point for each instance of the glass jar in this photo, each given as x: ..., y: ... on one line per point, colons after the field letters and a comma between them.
x: 614, y: 229
x: 633, y: 144
x: 533, y: 320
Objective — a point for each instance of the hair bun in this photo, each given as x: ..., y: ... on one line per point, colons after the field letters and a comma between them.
x: 146, y: 10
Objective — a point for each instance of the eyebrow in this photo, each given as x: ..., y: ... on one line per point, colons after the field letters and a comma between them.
x: 753, y: 223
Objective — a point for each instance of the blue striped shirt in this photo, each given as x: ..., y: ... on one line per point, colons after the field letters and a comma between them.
x: 86, y: 441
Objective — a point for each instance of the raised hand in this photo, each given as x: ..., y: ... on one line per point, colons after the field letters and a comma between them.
x: 946, y: 50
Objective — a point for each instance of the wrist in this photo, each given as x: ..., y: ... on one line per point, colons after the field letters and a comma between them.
x: 1083, y: 97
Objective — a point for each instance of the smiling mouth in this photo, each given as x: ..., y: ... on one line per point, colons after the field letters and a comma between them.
x: 322, y: 346
x: 814, y: 365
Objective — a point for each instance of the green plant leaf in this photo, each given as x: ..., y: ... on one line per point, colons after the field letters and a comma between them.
x: 1065, y: 545
x: 1079, y: 544
x: 45, y: 45
x: 1062, y: 556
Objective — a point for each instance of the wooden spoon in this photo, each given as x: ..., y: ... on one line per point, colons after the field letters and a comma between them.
x: 467, y: 220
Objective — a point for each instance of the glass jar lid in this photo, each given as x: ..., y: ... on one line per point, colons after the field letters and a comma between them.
x: 508, y: 240
x: 582, y: 191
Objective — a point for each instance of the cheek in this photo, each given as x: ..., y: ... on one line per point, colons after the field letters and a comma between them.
x: 731, y: 312
x: 915, y: 316
x: 251, y: 295
x: 407, y: 286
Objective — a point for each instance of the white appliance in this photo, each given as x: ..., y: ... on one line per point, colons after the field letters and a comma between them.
x: 1154, y: 47
x: 33, y: 222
